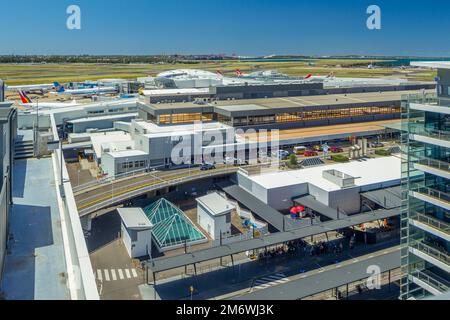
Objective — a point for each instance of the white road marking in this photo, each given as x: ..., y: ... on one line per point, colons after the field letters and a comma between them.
x: 133, y: 271
x: 354, y: 99
x: 294, y: 102
x: 113, y: 275
x: 99, y: 275
x: 127, y: 273
x: 106, y: 275
x: 121, y: 277
x: 269, y: 281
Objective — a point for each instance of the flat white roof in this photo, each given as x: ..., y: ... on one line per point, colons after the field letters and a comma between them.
x: 134, y: 218
x: 153, y: 128
x: 215, y: 203
x: 127, y: 153
x: 175, y: 92
x: 368, y: 172
x: 100, y: 138
x: 432, y: 64
x: 106, y: 117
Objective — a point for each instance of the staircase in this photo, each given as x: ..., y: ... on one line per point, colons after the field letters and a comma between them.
x: 24, y: 149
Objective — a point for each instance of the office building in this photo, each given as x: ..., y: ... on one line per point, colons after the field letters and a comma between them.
x: 425, y: 231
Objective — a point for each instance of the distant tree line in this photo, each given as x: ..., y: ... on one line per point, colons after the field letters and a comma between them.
x: 113, y: 59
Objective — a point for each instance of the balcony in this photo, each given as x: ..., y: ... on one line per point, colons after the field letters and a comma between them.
x: 432, y: 166
x: 430, y: 224
x: 418, y: 132
x: 429, y: 281
x: 432, y: 196
x: 428, y: 103
x: 434, y: 255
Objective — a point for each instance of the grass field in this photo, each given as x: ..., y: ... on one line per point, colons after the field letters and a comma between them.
x: 17, y: 74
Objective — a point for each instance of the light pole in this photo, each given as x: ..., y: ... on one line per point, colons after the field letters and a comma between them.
x: 61, y: 158
x: 36, y: 134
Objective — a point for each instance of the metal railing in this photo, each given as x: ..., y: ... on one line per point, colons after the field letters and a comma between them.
x: 419, y: 129
x: 136, y: 189
x: 430, y: 280
x: 420, y: 98
x: 106, y: 180
x: 427, y: 99
x: 429, y: 192
x: 433, y: 163
x: 432, y: 222
x: 431, y: 251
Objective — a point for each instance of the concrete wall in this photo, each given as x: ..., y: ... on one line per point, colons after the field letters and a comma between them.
x: 126, y: 239
x: 4, y: 208
x: 351, y: 196
x: 137, y: 243
x: 113, y: 165
x: 213, y: 225
x: 81, y: 127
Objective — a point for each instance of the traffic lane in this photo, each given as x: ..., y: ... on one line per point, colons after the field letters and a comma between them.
x: 327, y: 278
x: 113, y: 190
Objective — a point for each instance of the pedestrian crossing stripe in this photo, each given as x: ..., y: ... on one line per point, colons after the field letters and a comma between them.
x: 269, y: 281
x: 115, y: 274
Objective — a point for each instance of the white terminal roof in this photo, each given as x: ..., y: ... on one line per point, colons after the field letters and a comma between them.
x: 176, y: 92
x: 215, y: 203
x: 106, y: 117
x: 432, y: 64
x: 102, y: 138
x: 153, y: 128
x: 127, y: 154
x: 134, y: 218
x: 368, y: 172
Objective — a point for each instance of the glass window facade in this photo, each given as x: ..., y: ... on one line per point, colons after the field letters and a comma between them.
x: 425, y: 224
x: 336, y: 113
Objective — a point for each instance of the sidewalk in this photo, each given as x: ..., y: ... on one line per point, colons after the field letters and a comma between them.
x: 231, y: 279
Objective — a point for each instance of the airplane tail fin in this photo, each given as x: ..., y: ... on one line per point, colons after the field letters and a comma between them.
x: 23, y: 97
x: 238, y: 73
x: 220, y: 73
x: 309, y: 76
x: 58, y: 86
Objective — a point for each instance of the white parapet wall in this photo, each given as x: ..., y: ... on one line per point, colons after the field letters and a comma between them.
x: 81, y: 281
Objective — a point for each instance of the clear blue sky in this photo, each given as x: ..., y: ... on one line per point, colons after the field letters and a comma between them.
x: 244, y: 27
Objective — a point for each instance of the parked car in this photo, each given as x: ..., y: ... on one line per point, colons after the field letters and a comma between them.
x: 310, y: 153
x: 207, y: 166
x: 376, y: 144
x: 335, y: 149
x: 317, y: 147
x: 281, y: 154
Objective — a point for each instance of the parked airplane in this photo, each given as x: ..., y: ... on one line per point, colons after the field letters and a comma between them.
x: 327, y: 77
x: 26, y: 102
x: 273, y: 74
x: 83, y: 92
x: 32, y: 87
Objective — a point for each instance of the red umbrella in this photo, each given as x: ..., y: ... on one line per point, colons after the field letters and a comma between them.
x: 301, y: 208
x: 294, y: 210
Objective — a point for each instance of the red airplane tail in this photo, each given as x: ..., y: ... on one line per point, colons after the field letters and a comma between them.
x: 24, y: 98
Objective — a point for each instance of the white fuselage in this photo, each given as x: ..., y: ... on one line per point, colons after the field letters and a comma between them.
x: 31, y: 87
x: 50, y: 104
x: 88, y: 91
